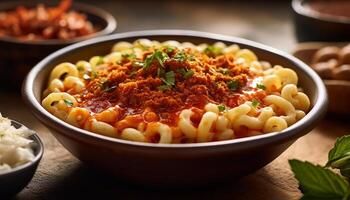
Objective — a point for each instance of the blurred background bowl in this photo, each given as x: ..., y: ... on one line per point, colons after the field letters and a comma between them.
x: 338, y: 90
x: 313, y: 25
x: 178, y: 165
x: 17, y: 57
x: 15, y: 180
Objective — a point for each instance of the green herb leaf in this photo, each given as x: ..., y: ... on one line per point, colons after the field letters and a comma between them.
x: 255, y: 103
x: 233, y: 85
x: 339, y: 156
x: 317, y: 182
x: 188, y: 74
x: 157, y: 55
x: 212, y: 51
x: 169, y: 49
x: 68, y: 102
x: 105, y: 87
x: 221, y: 108
x: 164, y: 87
x: 148, y: 62
x: 261, y: 86
x: 181, y: 57
x: 169, y: 78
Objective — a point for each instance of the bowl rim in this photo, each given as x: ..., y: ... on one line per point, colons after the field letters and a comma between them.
x: 293, y: 131
x: 111, y: 24
x: 38, y: 155
x: 299, y: 8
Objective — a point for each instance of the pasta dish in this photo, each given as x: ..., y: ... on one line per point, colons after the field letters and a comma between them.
x: 172, y: 92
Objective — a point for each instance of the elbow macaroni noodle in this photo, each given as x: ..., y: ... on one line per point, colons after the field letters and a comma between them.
x: 282, y: 106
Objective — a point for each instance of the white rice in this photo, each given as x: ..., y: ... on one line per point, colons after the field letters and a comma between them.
x: 15, y: 145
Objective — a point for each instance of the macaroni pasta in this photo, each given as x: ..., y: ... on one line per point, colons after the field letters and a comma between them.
x: 172, y: 92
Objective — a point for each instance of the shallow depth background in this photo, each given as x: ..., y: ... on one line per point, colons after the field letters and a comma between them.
x: 61, y: 176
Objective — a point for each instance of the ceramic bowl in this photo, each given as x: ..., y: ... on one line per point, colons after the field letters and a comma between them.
x: 18, y: 56
x: 178, y: 165
x: 15, y: 180
x: 313, y: 26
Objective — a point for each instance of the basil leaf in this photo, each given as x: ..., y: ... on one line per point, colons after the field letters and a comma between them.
x: 317, y: 182
x: 233, y: 85
x: 69, y: 103
x: 339, y: 156
x: 261, y: 86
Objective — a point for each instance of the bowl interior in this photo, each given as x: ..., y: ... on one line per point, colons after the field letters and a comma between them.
x: 313, y: 86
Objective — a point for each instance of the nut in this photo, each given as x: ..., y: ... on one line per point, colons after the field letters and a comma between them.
x: 342, y: 72
x: 323, y: 69
x: 344, y: 55
x: 326, y: 54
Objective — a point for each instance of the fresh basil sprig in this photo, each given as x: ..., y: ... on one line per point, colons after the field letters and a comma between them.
x: 318, y: 182
x: 339, y: 156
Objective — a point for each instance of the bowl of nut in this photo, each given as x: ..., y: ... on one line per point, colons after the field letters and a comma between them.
x: 331, y: 61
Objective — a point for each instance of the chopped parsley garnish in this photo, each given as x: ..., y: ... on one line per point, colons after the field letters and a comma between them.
x: 169, y: 78
x: 160, y: 72
x: 164, y: 87
x: 212, y: 51
x: 169, y: 49
x: 181, y: 57
x: 261, y: 86
x: 185, y: 72
x: 68, y: 102
x: 105, y: 87
x: 188, y: 74
x: 255, y: 103
x: 157, y: 55
x: 233, y: 85
x: 221, y: 108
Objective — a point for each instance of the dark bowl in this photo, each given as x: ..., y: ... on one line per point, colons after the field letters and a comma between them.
x: 173, y: 164
x: 15, y: 180
x: 18, y: 56
x: 313, y: 26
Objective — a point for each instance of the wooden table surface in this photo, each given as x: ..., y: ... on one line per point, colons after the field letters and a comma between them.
x: 61, y: 176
